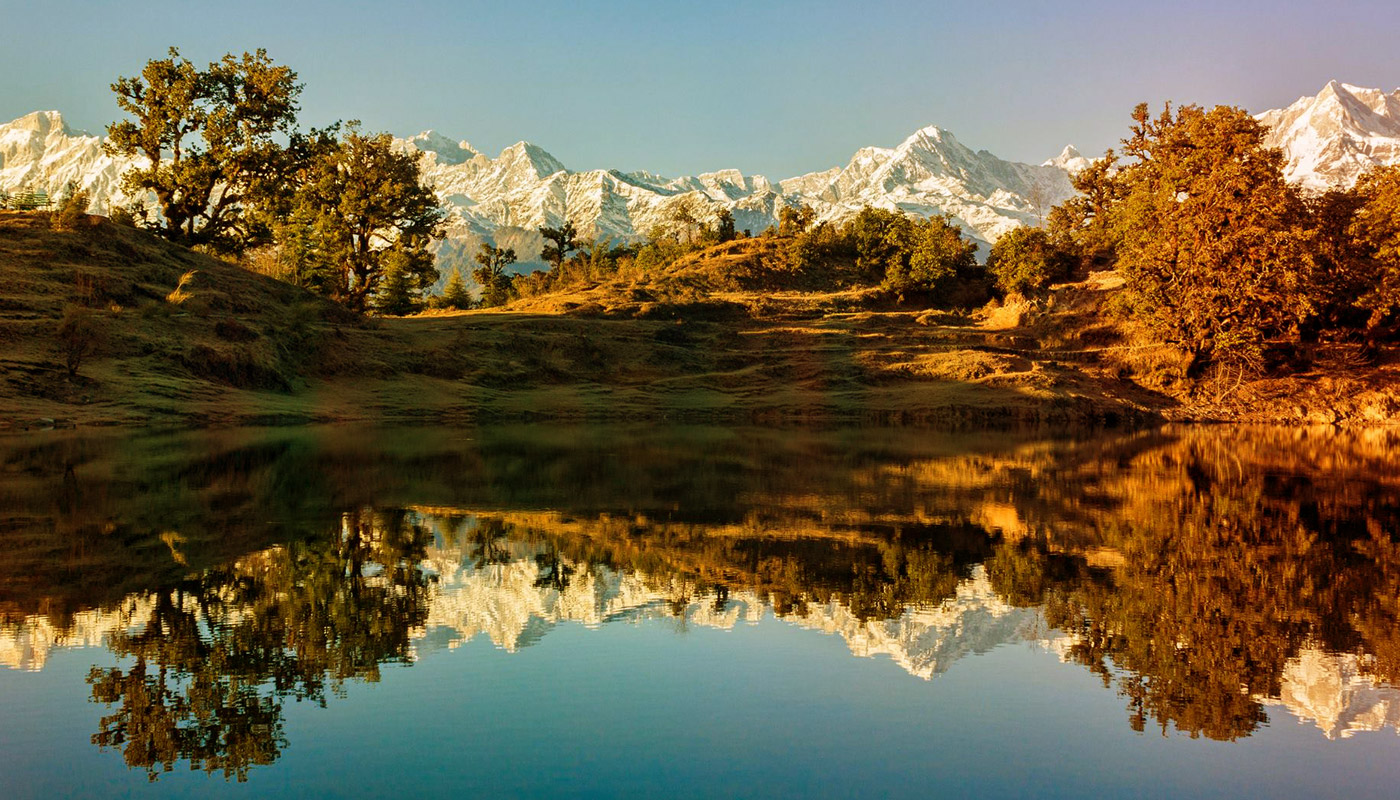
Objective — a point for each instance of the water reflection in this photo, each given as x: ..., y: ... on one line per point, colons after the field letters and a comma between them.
x: 207, y: 662
x: 1208, y: 576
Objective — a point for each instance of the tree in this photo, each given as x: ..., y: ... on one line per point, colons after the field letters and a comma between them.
x: 455, y: 294
x: 208, y: 141
x: 79, y: 334
x: 205, y: 678
x: 1210, y: 237
x: 938, y: 256
x: 1025, y: 260
x: 882, y: 241
x: 399, y: 291
x: 1082, y: 226
x: 361, y: 215
x: 685, y: 215
x: 793, y: 220
x: 1374, y: 234
x: 496, y: 285
x: 723, y: 230
x: 559, y: 243
x: 72, y: 209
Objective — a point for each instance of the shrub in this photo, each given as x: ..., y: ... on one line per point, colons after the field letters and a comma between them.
x: 79, y: 335
x: 1026, y: 261
x: 72, y: 209
x: 938, y: 256
x: 122, y: 215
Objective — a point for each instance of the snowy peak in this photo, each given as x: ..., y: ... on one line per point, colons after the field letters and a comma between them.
x: 531, y: 157
x: 929, y: 138
x: 39, y: 152
x: 40, y: 122
x: 1331, y: 138
x: 446, y: 150
x: 1070, y: 160
x: 33, y: 133
x: 930, y: 172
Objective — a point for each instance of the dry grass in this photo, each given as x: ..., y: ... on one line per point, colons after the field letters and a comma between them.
x: 243, y: 348
x: 181, y: 291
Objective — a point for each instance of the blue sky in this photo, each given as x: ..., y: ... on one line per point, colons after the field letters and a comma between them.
x: 774, y: 87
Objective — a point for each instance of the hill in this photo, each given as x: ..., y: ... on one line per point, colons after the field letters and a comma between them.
x: 232, y: 347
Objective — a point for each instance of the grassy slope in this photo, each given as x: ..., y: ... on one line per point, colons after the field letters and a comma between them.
x: 246, y: 349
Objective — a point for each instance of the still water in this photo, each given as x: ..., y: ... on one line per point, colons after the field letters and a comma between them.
x: 699, y: 612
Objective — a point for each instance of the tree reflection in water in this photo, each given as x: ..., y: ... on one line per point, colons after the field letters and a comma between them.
x: 213, y: 663
x: 1225, y: 565
x: 1187, y: 568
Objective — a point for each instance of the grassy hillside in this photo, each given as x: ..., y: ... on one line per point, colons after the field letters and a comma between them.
x: 233, y: 347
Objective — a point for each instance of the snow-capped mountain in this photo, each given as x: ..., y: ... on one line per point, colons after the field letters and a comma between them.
x: 504, y: 199
x: 506, y: 604
x: 1333, y: 137
x: 38, y: 152
x: 1334, y: 692
x: 1329, y: 140
x: 929, y: 173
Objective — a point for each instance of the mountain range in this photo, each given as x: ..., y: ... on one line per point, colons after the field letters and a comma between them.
x: 1328, y: 140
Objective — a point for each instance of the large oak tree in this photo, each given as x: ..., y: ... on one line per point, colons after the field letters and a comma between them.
x: 209, y: 139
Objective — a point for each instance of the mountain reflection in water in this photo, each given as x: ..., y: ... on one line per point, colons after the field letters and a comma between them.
x: 1209, y: 576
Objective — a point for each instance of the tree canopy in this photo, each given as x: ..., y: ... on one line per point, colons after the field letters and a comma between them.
x: 495, y: 282
x: 1209, y: 235
x: 361, y: 223
x: 1025, y: 260
x: 560, y: 242
x: 208, y: 138
x: 934, y: 256
x: 1375, y: 231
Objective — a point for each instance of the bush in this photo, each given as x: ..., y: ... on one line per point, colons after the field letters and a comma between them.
x: 1026, y: 261
x: 121, y: 215
x: 880, y: 239
x: 79, y: 335
x: 72, y: 209
x: 938, y: 256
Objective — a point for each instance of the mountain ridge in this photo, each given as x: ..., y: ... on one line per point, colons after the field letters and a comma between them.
x: 1331, y: 138
x: 506, y: 198
x: 1328, y: 140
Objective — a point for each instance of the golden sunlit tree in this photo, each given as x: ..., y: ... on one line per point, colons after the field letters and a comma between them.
x: 1211, y: 238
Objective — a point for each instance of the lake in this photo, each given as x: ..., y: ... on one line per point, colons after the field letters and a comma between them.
x: 700, y: 612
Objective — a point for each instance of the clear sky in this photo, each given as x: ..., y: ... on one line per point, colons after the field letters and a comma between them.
x: 774, y: 87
